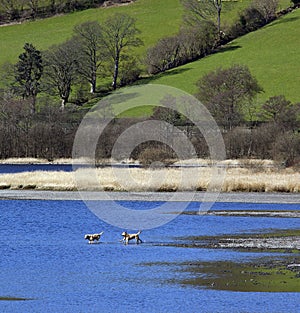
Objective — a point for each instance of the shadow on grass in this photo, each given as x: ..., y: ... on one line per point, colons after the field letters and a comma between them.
x: 171, y: 72
x: 227, y: 48
x: 284, y: 20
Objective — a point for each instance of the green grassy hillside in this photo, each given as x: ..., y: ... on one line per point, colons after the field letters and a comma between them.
x: 155, y: 19
x: 272, y: 54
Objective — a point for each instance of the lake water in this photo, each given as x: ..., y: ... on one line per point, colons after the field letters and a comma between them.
x: 18, y: 168
x: 44, y: 257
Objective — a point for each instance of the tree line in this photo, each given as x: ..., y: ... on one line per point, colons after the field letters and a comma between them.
x: 95, y: 51
x: 267, y: 131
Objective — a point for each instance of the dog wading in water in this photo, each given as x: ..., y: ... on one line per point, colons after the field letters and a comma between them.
x: 93, y: 237
x: 127, y: 237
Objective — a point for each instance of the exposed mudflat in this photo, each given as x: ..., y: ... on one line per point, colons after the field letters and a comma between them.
x: 291, y: 243
x: 243, y: 197
x: 271, y: 213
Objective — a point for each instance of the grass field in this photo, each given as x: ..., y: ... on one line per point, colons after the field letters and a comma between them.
x: 150, y: 14
x: 155, y: 19
x: 272, y: 54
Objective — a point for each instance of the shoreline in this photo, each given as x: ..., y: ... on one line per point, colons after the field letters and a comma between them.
x: 229, y: 197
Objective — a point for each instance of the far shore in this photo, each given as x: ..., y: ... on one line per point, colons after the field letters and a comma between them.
x: 195, y: 176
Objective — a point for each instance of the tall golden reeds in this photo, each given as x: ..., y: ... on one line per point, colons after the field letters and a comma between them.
x: 162, y: 179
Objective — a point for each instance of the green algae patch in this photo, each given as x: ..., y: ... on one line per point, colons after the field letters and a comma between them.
x: 260, y: 276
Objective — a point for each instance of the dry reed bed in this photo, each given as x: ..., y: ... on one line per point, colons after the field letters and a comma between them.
x: 170, y: 179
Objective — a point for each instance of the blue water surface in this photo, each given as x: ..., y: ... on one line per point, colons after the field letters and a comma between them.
x: 44, y: 257
x: 19, y: 168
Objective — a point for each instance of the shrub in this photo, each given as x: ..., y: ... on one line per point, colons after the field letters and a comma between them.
x: 163, y: 56
x: 249, y: 20
x: 287, y: 148
x: 267, y: 8
x: 156, y: 157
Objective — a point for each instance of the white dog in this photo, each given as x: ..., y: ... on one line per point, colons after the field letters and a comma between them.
x: 127, y: 237
x: 93, y: 237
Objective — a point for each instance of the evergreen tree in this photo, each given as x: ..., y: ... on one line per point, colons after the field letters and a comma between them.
x: 29, y: 70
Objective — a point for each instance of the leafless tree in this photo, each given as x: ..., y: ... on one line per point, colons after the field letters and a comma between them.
x: 119, y: 35
x: 164, y: 55
x: 34, y: 6
x: 198, y: 10
x: 197, y: 41
x: 88, y: 37
x: 10, y: 7
x: 282, y: 113
x: 61, y: 69
x: 267, y: 8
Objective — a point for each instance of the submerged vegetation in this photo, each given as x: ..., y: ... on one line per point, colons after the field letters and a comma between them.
x: 261, y: 275
x: 13, y: 299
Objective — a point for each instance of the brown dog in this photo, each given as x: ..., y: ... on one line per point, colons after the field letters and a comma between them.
x: 127, y: 237
x: 93, y: 237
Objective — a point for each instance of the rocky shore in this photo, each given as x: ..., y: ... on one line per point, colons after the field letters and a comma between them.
x: 283, y: 243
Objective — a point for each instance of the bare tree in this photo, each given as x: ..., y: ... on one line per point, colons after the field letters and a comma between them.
x: 282, y: 113
x: 61, y: 69
x: 286, y: 148
x: 119, y: 35
x: 197, y: 41
x: 11, y: 7
x: 198, y: 10
x: 34, y: 6
x: 164, y: 55
x: 88, y: 37
x: 267, y: 8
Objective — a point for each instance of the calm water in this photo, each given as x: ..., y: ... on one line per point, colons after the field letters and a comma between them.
x: 45, y: 257
x: 18, y: 168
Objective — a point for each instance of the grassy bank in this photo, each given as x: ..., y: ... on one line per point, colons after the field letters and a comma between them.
x: 164, y: 179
